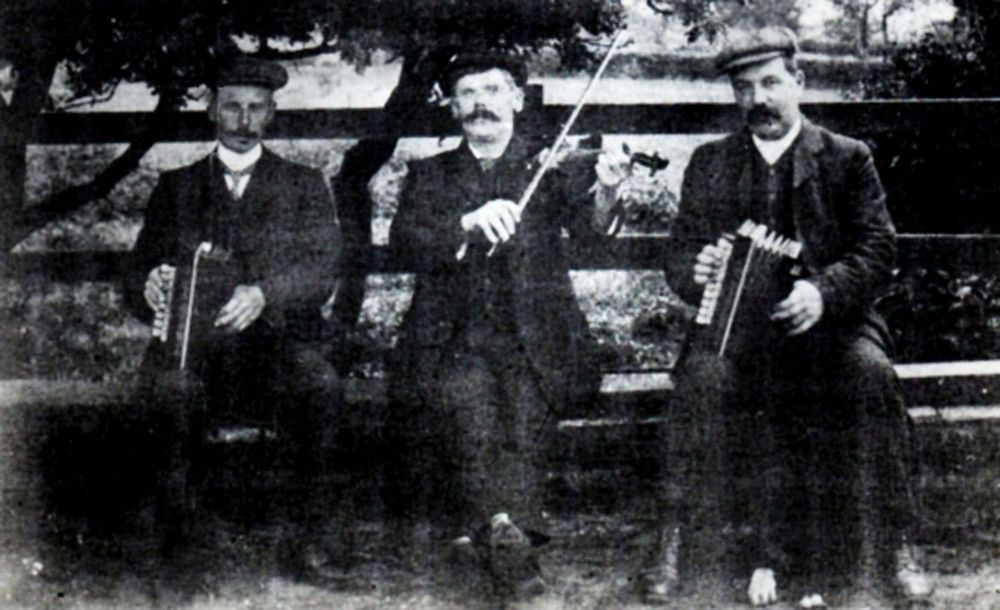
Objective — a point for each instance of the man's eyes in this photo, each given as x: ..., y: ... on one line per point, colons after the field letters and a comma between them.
x: 250, y: 108
x: 488, y: 90
x: 767, y: 83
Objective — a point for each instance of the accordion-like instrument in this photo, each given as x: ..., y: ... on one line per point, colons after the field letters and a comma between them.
x: 740, y: 294
x: 185, y: 321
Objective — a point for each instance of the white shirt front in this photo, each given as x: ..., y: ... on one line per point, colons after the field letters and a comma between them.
x: 772, y: 150
x: 238, y: 162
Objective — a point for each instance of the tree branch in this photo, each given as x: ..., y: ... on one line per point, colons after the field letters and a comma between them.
x: 350, y: 186
x: 74, y: 197
x: 93, y: 99
x: 266, y: 52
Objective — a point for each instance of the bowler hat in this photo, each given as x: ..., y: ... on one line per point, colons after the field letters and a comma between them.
x: 470, y: 62
x: 745, y: 47
x: 245, y: 70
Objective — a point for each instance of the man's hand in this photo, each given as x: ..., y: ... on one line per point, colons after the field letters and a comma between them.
x: 497, y: 220
x: 613, y: 166
x: 242, y: 310
x: 763, y: 588
x: 801, y: 310
x: 709, y: 261
x: 157, y: 286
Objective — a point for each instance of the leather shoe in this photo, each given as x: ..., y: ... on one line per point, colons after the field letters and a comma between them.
x: 659, y: 580
x: 314, y: 565
x: 912, y: 581
x: 466, y: 570
x: 512, y: 561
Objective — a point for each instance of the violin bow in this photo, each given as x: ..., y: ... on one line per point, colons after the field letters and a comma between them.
x: 549, y: 159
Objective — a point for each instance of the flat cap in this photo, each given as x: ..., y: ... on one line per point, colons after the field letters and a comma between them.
x: 244, y: 70
x: 745, y: 47
x: 471, y: 62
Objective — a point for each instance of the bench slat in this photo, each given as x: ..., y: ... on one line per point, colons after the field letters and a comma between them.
x: 959, y: 391
x: 965, y: 368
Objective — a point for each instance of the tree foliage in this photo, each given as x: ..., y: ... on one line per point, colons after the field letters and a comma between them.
x: 171, y: 45
x: 762, y: 13
x: 952, y: 60
x: 860, y: 19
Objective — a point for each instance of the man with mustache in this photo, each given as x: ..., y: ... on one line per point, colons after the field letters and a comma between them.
x: 493, y: 347
x: 793, y: 451
x: 275, y: 223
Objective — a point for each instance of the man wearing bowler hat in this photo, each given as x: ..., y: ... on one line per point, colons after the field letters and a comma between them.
x: 794, y: 450
x: 494, y: 346
x: 273, y: 224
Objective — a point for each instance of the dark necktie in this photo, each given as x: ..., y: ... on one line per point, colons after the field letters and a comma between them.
x: 236, y: 176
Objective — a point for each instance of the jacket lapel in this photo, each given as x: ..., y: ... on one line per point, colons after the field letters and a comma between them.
x: 510, y: 174
x: 196, y: 207
x: 810, y: 221
x: 743, y: 162
x: 463, y: 169
x: 516, y: 167
x: 258, y: 190
x: 804, y: 154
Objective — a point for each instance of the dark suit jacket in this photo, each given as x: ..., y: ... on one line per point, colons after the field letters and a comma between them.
x: 839, y: 213
x: 285, y: 237
x: 426, y: 231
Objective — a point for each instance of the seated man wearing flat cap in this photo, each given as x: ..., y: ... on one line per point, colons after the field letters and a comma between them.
x: 254, y: 355
x: 493, y: 346
x: 796, y: 443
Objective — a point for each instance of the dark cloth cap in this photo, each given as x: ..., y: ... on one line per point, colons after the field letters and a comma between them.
x: 243, y: 70
x: 471, y: 62
x: 745, y: 47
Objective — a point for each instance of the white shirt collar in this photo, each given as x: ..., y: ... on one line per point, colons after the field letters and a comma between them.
x: 237, y: 161
x: 772, y: 150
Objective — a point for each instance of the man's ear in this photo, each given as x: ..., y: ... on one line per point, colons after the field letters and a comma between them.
x: 800, y: 78
x: 518, y: 104
x: 211, y: 109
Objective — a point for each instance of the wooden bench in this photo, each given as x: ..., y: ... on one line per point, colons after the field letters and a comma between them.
x: 953, y: 394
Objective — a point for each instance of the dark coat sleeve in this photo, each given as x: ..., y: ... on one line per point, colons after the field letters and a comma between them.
x: 696, y: 225
x: 304, y: 264
x: 576, y: 201
x: 426, y: 231
x: 862, y: 270
x: 154, y: 246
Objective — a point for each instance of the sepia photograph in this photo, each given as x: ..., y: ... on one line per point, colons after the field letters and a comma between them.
x: 499, y: 304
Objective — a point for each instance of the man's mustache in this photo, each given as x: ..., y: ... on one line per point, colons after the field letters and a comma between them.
x: 760, y: 114
x: 481, y: 113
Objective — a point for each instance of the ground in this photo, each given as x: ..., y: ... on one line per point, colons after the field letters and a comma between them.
x: 92, y: 553
x: 587, y: 569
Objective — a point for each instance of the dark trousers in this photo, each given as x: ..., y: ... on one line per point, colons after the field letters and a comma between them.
x: 794, y: 456
x: 472, y: 445
x: 289, y: 387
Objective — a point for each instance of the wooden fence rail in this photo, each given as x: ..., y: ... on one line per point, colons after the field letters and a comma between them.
x: 859, y: 118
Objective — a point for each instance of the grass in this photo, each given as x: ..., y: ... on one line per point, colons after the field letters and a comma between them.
x: 588, y: 567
